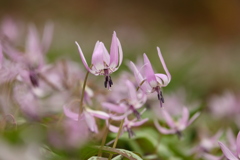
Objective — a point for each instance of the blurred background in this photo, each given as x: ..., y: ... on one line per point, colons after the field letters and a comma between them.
x: 199, y: 39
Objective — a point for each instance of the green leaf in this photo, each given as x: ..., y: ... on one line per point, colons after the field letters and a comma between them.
x: 97, y: 158
x: 119, y: 157
x: 128, y: 154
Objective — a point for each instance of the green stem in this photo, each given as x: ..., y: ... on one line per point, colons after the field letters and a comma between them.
x: 103, y: 140
x: 116, y: 140
x: 82, y: 95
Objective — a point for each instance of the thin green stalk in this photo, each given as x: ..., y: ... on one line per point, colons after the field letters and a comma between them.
x: 103, y: 140
x: 116, y: 140
x: 82, y: 95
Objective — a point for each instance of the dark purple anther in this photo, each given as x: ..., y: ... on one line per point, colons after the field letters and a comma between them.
x: 130, y: 133
x: 33, y: 78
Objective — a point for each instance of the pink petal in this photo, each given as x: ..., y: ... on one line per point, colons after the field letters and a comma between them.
x: 162, y: 79
x: 82, y: 57
x: 149, y: 73
x: 113, y: 107
x: 185, y: 116
x: 69, y: 113
x: 118, y: 118
x: 132, y: 90
x: 168, y: 119
x: 140, y: 81
x: 139, y: 123
x: 113, y: 128
x: 163, y: 64
x: 120, y: 53
x: 91, y: 122
x: 98, y: 56
x: 98, y: 114
x: 33, y: 47
x: 163, y: 130
x: 47, y: 36
x: 114, y: 51
x: 227, y: 152
x: 238, y: 144
x: 193, y: 118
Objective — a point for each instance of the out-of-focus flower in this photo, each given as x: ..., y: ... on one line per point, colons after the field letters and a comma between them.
x: 129, y: 104
x: 151, y: 82
x: 229, y: 154
x: 32, y: 61
x: 128, y: 124
x: 228, y: 103
x: 175, y: 127
x: 102, y: 62
x: 9, y: 30
x: 87, y: 115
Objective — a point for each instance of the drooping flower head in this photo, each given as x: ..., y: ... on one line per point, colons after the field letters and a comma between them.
x: 175, y: 127
x: 150, y: 82
x: 104, y: 63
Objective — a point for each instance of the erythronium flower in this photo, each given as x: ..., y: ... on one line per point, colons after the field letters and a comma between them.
x: 32, y: 61
x: 102, y: 62
x: 175, y: 127
x: 129, y: 104
x: 88, y: 115
x: 150, y: 82
x: 128, y: 124
x: 228, y: 154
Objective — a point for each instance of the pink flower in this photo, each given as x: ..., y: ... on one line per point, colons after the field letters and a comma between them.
x: 87, y: 115
x: 128, y: 124
x: 133, y: 100
x: 102, y: 62
x: 175, y: 127
x: 150, y: 82
x: 228, y: 154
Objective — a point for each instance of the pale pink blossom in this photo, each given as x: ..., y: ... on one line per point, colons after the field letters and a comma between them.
x: 102, y: 62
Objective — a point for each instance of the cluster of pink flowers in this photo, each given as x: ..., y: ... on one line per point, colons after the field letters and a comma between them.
x: 41, y: 89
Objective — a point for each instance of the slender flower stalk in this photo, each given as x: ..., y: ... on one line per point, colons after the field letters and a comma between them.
x: 102, y: 62
x: 150, y: 82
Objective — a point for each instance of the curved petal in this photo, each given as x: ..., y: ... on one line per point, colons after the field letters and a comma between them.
x: 98, y: 56
x: 163, y: 64
x: 148, y: 71
x: 162, y: 79
x: 139, y: 123
x: 114, y: 107
x: 185, y: 117
x: 91, y: 122
x: 132, y: 90
x: 114, y: 51
x: 193, y: 118
x: 98, y: 114
x: 168, y: 119
x: 82, y: 57
x: 227, y: 152
x: 140, y: 81
x: 118, y: 118
x: 70, y: 114
x: 120, y: 53
x: 47, y: 36
x: 163, y: 130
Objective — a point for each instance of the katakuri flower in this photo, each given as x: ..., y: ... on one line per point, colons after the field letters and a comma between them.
x: 87, y: 115
x: 228, y: 154
x: 175, y: 127
x: 104, y: 63
x: 150, y: 82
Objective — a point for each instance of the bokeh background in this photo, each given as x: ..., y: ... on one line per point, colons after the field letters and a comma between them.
x: 199, y: 39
